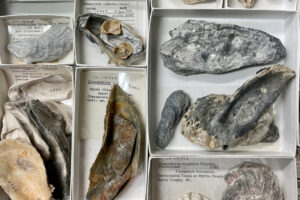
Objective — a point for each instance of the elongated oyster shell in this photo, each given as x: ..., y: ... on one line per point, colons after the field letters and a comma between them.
x: 54, y: 87
x: 203, y: 47
x: 193, y: 1
x: 118, y: 160
x: 248, y: 3
x: 193, y: 196
x: 240, y: 119
x: 22, y: 172
x: 252, y: 181
x: 49, y: 46
x: 103, y: 31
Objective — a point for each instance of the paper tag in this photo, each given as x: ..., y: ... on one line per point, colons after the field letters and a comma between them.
x: 126, y: 11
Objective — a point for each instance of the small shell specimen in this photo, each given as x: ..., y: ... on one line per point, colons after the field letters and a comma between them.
x: 242, y: 118
x: 22, y: 172
x: 49, y: 46
x: 123, y: 51
x: 53, y: 87
x: 252, y: 181
x: 176, y: 105
x: 193, y: 196
x: 118, y: 160
x: 248, y: 3
x: 109, y: 34
x: 193, y: 1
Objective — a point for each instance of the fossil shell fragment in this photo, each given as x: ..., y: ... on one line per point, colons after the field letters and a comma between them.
x: 193, y: 1
x: 118, y: 160
x: 54, y: 87
x: 176, y: 105
x: 123, y: 51
x: 22, y: 172
x: 203, y: 47
x: 108, y: 40
x: 193, y: 196
x: 243, y: 118
x: 248, y: 3
x: 252, y: 181
x: 49, y: 46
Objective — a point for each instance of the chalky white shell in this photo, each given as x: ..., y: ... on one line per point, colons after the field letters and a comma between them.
x: 193, y: 196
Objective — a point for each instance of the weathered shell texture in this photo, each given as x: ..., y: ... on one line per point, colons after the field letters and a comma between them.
x: 252, y: 181
x: 3, y: 94
x: 248, y: 3
x: 90, y: 25
x: 22, y: 172
x: 243, y: 118
x: 176, y: 105
x: 51, y: 127
x: 47, y: 47
x: 193, y: 1
x: 118, y: 160
x: 203, y: 47
x: 54, y: 87
x: 193, y: 196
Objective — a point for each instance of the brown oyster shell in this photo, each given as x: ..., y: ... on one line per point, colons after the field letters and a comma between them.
x: 248, y: 3
x: 123, y: 51
x: 111, y: 26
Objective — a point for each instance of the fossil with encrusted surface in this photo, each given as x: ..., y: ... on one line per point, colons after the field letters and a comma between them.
x: 248, y: 3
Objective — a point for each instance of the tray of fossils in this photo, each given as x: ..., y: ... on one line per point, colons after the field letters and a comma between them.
x: 218, y: 178
x: 111, y: 33
x: 36, y: 131
x: 110, y: 143
x: 42, y: 39
x: 223, y: 82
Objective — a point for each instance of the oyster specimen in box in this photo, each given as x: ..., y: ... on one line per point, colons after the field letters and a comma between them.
x: 53, y: 87
x: 193, y: 196
x: 118, y: 160
x: 22, y: 172
x: 119, y: 41
x: 49, y: 46
x: 248, y: 3
x: 203, y: 47
x: 176, y: 105
x: 51, y: 127
x: 243, y: 118
x: 252, y: 181
x: 193, y: 1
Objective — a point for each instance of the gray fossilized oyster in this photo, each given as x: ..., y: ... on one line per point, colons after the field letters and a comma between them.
x: 119, y: 41
x: 248, y: 3
x: 193, y: 196
x: 243, y: 118
x: 252, y: 181
x: 193, y: 1
x: 203, y: 47
x: 47, y: 47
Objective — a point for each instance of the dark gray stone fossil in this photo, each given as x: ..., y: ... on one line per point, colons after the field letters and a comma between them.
x: 203, y: 47
x: 244, y: 118
x: 176, y: 105
x: 252, y: 181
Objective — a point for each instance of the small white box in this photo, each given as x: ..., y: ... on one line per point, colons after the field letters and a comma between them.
x: 178, y: 4
x: 288, y: 5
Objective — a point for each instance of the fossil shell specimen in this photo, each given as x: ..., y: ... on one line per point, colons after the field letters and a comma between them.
x: 113, y: 37
x: 53, y: 87
x: 22, y: 172
x: 51, y: 128
x: 193, y: 196
x: 240, y: 119
x: 248, y: 3
x: 193, y: 1
x: 49, y: 46
x: 203, y: 47
x: 176, y: 105
x: 252, y: 181
x: 118, y: 160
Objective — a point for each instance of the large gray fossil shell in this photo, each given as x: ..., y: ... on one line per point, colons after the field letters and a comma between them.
x: 252, y: 181
x: 91, y: 26
x: 49, y: 46
x: 176, y: 105
x: 243, y: 118
x: 203, y: 47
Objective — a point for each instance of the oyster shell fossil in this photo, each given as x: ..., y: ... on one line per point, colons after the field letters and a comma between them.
x: 193, y: 196
x: 248, y: 3
x: 243, y: 118
x: 193, y: 1
x: 119, y: 41
x: 49, y: 46
x: 118, y: 160
x: 22, y: 172
x: 176, y: 105
x: 252, y: 181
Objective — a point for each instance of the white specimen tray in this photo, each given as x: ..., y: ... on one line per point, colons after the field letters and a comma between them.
x: 288, y: 5
x: 178, y: 4
x: 132, y: 12
x: 92, y: 89
x: 170, y: 178
x: 29, y: 26
x: 162, y: 81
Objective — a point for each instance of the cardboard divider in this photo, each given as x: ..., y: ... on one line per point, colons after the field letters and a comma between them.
x: 288, y: 5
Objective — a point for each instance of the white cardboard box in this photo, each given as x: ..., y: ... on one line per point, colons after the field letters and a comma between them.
x: 288, y: 5
x: 162, y: 81
x: 92, y: 89
x: 178, y: 4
